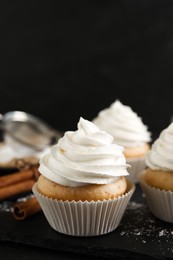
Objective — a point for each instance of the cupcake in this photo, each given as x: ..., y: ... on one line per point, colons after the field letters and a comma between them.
x: 82, y: 188
x: 156, y: 180
x: 128, y: 130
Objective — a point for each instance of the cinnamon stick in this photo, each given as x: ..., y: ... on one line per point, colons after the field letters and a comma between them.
x: 24, y: 209
x: 13, y: 178
x: 17, y: 188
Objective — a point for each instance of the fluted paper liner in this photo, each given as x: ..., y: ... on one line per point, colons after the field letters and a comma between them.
x: 84, y: 218
x: 137, y: 166
x: 159, y: 201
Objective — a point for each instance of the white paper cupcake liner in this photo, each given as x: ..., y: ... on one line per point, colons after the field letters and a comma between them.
x: 137, y: 166
x: 84, y: 218
x: 159, y: 201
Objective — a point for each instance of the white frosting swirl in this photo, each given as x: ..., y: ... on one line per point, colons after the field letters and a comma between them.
x: 85, y: 156
x: 160, y: 156
x: 123, y: 124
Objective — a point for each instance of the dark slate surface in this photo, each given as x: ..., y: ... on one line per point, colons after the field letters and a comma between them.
x: 62, y: 60
x: 139, y: 235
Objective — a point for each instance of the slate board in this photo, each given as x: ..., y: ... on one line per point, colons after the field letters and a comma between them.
x: 139, y: 234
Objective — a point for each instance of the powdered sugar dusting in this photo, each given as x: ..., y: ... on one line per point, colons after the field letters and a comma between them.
x: 140, y: 225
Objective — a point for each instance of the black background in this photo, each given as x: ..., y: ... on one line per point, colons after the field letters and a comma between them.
x: 60, y: 60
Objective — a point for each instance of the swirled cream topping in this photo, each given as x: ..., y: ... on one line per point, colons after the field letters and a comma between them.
x: 160, y: 156
x: 84, y: 156
x: 123, y: 124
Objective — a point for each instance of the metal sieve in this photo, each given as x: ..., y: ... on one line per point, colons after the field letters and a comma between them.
x: 21, y: 128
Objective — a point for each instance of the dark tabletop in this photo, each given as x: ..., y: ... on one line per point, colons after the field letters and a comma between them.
x: 139, y: 235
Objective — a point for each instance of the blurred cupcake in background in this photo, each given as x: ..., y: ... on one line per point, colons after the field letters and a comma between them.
x: 83, y: 189
x: 129, y: 131
x: 157, y: 180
